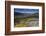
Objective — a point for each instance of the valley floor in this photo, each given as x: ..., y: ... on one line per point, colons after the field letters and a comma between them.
x: 28, y: 22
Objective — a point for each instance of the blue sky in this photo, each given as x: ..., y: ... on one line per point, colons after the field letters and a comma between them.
x: 21, y: 10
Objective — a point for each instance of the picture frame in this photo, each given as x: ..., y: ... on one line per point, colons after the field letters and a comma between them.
x: 16, y: 5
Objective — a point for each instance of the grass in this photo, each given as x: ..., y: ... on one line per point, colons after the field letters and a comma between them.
x: 21, y: 25
x: 24, y: 20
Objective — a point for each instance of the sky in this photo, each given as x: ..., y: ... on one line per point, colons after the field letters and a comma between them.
x: 21, y: 10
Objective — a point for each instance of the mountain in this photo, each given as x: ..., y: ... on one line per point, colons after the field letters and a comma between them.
x: 17, y: 13
x: 25, y: 15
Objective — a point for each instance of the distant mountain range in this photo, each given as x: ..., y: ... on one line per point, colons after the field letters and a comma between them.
x: 17, y: 13
x: 24, y: 15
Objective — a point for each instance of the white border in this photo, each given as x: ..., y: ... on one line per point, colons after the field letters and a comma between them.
x: 25, y: 28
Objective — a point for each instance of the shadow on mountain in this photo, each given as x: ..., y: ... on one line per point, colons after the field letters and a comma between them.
x: 25, y: 15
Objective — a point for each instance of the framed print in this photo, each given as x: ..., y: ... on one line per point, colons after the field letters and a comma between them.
x: 24, y: 17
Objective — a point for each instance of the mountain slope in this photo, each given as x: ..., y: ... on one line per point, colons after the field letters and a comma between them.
x: 24, y: 15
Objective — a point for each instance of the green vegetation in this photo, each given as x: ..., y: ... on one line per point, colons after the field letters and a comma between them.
x: 21, y: 25
x: 22, y: 22
x: 25, y: 21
